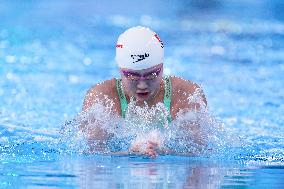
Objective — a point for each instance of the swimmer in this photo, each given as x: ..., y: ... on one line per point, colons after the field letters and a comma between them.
x: 140, y: 58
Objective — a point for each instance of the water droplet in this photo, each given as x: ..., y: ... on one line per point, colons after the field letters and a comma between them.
x: 73, y: 79
x: 10, y: 59
x: 87, y: 61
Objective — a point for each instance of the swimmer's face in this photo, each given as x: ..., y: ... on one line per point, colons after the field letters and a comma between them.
x: 142, y: 84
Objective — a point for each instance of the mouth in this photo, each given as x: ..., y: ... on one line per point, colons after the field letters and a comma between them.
x: 143, y: 95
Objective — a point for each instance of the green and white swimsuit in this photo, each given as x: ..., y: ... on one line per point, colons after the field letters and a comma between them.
x: 167, y: 97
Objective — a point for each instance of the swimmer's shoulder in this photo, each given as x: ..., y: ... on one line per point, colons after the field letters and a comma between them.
x: 182, y: 89
x: 181, y: 85
x: 100, y: 92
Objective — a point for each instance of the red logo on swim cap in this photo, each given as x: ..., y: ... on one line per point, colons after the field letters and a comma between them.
x: 157, y: 37
x: 119, y: 46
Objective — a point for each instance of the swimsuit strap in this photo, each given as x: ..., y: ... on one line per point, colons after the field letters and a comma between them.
x: 168, y: 96
x: 122, y: 97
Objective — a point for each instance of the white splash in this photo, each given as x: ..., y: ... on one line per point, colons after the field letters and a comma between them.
x: 193, y: 133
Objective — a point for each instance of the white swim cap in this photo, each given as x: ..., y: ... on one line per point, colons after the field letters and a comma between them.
x: 139, y: 48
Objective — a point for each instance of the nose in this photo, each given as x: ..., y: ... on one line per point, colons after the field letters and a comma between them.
x: 142, y: 85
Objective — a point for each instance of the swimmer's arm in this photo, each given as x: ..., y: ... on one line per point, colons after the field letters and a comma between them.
x: 198, y: 93
x: 183, y: 92
x: 93, y: 133
x: 183, y: 102
x: 184, y: 105
x: 89, y: 99
x: 99, y: 93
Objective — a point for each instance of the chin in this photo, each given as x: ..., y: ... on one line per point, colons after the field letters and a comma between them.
x: 142, y: 98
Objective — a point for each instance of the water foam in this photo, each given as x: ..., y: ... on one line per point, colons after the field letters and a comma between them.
x: 194, y: 132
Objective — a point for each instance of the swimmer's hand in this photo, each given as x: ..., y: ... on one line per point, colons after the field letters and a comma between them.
x: 149, y: 149
x: 149, y: 145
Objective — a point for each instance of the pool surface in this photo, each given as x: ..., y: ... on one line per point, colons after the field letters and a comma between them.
x: 52, y: 52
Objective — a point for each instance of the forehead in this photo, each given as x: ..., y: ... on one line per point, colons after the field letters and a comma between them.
x: 148, y: 70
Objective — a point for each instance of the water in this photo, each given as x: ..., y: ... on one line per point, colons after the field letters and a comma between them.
x: 52, y: 52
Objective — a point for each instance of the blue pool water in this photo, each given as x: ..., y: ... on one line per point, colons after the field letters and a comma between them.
x: 52, y: 52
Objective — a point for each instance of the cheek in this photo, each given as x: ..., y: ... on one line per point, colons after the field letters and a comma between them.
x: 154, y: 85
x: 129, y: 87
